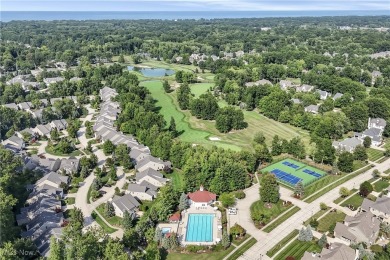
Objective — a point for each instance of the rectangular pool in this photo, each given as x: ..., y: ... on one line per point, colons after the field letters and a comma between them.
x: 200, y: 228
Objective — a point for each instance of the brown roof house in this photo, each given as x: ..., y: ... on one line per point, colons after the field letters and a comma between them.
x: 336, y: 251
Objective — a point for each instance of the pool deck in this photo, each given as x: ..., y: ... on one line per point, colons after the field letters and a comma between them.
x: 217, y: 234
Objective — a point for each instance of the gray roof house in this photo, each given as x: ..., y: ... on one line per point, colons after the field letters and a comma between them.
x: 15, y: 141
x: 25, y: 105
x: 305, y: 88
x: 337, y: 96
x: 43, y: 130
x: 11, y: 106
x: 37, y: 113
x: 49, y: 81
x: 48, y: 165
x: 59, y: 124
x: 125, y: 203
x: 75, y: 79
x: 380, y: 208
x: 141, y: 192
x: 53, y: 179
x: 323, y: 94
x: 151, y: 176
x: 364, y: 227
x: 107, y: 93
x: 285, y: 84
x: 379, y: 123
x: 348, y: 144
x: 138, y: 155
x: 336, y: 251
x: 260, y: 82
x: 152, y: 162
x: 296, y: 101
x: 312, y: 109
x: 70, y: 165
x: 375, y: 134
x: 53, y: 100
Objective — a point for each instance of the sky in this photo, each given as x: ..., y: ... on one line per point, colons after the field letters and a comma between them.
x: 193, y: 5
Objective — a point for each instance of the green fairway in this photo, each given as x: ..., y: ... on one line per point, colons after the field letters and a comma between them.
x: 198, y: 131
x: 298, y: 171
x: 200, y: 88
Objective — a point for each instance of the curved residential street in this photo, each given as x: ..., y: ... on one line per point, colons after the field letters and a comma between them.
x: 266, y: 241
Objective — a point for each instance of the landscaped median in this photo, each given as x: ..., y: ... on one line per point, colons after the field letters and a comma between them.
x: 282, y: 243
x: 297, y: 248
x: 281, y: 219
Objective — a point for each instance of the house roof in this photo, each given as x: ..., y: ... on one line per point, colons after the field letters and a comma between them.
x: 148, y: 185
x: 364, y: 224
x: 44, y: 129
x: 175, y: 217
x: 136, y: 187
x: 348, y: 143
x: 377, y: 121
x: 338, y: 251
x: 150, y: 159
x: 312, y: 108
x: 337, y: 96
x: 53, y: 177
x: 126, y: 202
x: 12, y: 106
x: 202, y: 196
x: 373, y: 132
x: 151, y: 173
x: 17, y: 141
x: 382, y: 204
x: 296, y: 101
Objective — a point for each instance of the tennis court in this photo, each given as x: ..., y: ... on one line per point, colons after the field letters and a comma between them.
x: 290, y: 172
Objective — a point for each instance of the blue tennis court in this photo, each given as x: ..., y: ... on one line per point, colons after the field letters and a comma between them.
x: 200, y: 228
x: 286, y: 177
x: 317, y: 175
x: 294, y: 166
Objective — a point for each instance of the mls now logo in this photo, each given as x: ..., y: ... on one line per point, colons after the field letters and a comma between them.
x: 26, y: 252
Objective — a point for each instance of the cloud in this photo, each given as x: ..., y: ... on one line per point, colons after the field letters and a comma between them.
x: 192, y: 5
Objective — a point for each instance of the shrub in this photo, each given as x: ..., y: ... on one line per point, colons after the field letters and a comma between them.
x: 240, y: 194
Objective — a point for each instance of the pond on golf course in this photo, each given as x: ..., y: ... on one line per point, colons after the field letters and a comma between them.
x: 152, y: 72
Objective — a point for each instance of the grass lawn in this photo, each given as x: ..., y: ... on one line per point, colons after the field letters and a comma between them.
x: 387, y: 171
x: 282, y: 243
x: 204, y: 256
x: 330, y: 219
x: 358, y: 164
x: 49, y: 150
x: 380, y: 185
x: 387, y: 143
x: 259, y: 207
x: 70, y: 201
x: 199, y: 88
x: 197, y: 131
x: 281, y: 219
x: 243, y: 249
x: 316, y: 186
x: 374, y: 154
x: 238, y: 242
x: 317, y: 215
x: 297, y: 169
x: 297, y: 248
x: 101, y: 223
x: 353, y: 202
x: 114, y: 221
x: 177, y: 179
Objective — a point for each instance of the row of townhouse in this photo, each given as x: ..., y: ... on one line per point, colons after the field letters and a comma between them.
x: 148, y: 178
x: 374, y: 131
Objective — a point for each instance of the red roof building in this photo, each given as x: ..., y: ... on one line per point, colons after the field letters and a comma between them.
x: 202, y: 196
x: 175, y: 217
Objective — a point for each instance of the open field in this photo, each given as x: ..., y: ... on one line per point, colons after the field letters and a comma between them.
x: 199, y: 88
x: 297, y: 248
x: 297, y: 169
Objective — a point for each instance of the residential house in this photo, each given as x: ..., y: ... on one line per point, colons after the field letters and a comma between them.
x: 141, y: 192
x: 201, y: 198
x: 59, y: 124
x: 70, y: 165
x: 179, y: 59
x: 107, y: 93
x: 53, y: 179
x: 53, y: 100
x: 25, y: 106
x: 374, y: 133
x: 364, y: 227
x: 336, y: 251
x: 312, y: 109
x: 305, y: 88
x: 151, y: 176
x: 285, y: 84
x: 138, y: 155
x: 384, y: 54
x: 323, y: 94
x: 378, y: 123
x: 380, y: 208
x: 125, y: 203
x: 37, y: 113
x: 337, y: 96
x: 348, y: 144
x: 14, y: 141
x: 296, y: 101
x: 261, y: 82
x: 154, y: 163
x: 11, y: 106
x: 49, y: 81
x: 47, y: 164
x: 75, y: 79
x: 175, y: 218
x: 239, y: 54
x: 43, y: 130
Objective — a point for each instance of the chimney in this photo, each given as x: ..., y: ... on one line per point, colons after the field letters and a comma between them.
x: 201, y: 188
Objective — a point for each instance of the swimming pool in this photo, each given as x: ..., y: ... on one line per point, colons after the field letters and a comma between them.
x: 200, y: 228
x: 165, y: 230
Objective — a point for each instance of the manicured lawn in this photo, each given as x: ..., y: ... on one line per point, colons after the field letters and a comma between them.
x: 298, y: 172
x: 114, y: 221
x: 317, y: 215
x: 238, y: 242
x: 330, y: 219
x: 297, y: 249
x: 203, y: 256
x: 197, y: 131
x: 49, y: 150
x: 200, y: 88
x: 387, y: 171
x: 387, y: 144
x: 282, y: 243
x: 340, y: 199
x: 176, y: 179
x: 353, y: 202
x: 281, y: 219
x: 374, y: 154
x: 316, y: 186
x: 380, y: 185
x: 242, y: 249
x: 105, y: 227
x: 259, y: 208
x: 358, y: 164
